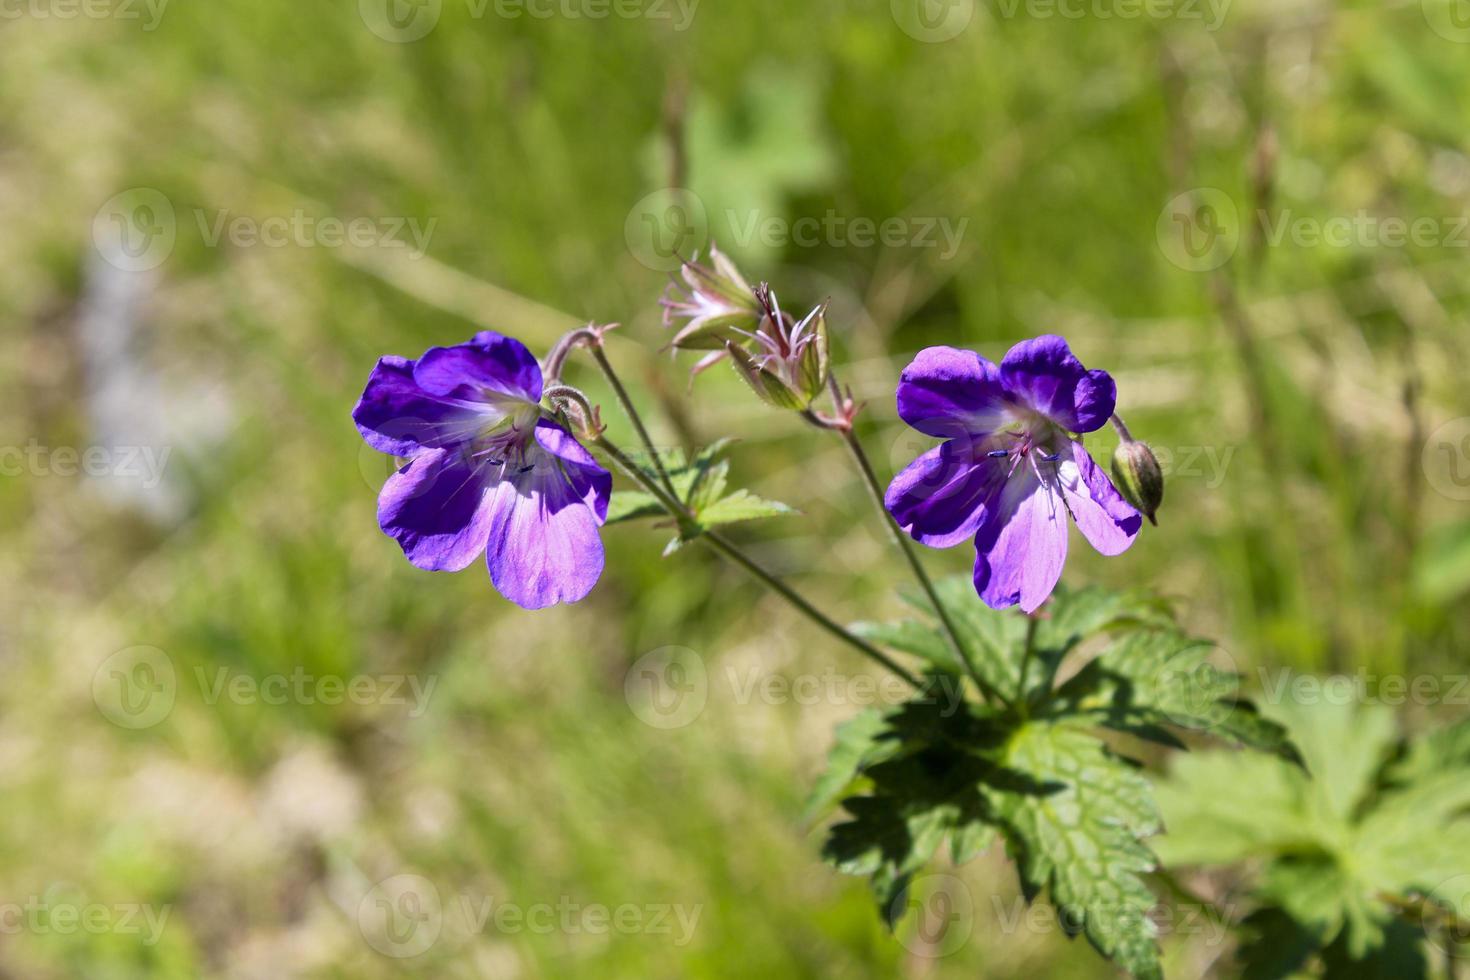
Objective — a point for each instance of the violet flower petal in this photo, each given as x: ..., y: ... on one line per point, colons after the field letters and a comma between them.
x: 587, y: 479
x: 1020, y: 550
x: 1044, y: 374
x: 397, y: 417
x: 1106, y: 520
x: 490, y: 363
x: 946, y: 392
x: 941, y: 498
x: 435, y: 508
x: 544, y: 547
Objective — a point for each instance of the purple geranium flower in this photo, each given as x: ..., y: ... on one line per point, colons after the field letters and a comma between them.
x: 1012, y: 467
x: 486, y: 471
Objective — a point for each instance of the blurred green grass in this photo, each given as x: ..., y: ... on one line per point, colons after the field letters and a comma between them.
x: 1323, y: 546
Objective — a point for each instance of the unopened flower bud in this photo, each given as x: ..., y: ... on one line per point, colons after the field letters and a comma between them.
x: 787, y: 363
x: 584, y: 418
x: 1137, y: 476
x: 770, y: 386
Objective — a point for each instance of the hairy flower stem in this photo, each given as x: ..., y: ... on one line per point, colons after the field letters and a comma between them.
x: 875, y: 492
x: 729, y: 550
x: 622, y: 395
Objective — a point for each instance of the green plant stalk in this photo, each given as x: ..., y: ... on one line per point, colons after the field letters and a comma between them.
x: 627, y: 403
x: 729, y: 550
x: 668, y: 498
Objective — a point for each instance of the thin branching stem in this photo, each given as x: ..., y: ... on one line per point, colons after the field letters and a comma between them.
x: 875, y: 493
x: 729, y: 550
x: 627, y: 403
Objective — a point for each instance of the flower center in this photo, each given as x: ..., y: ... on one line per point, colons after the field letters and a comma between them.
x: 1029, y: 439
x: 506, y: 436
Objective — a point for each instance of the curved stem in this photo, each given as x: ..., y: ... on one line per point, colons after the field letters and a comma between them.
x: 1121, y: 428
x: 632, y: 413
x: 728, y: 549
x: 875, y: 492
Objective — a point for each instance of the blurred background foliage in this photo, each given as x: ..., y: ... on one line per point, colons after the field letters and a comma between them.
x: 1312, y: 522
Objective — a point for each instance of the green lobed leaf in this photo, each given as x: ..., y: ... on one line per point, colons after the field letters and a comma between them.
x: 994, y: 640
x: 1070, y: 810
x: 1074, y: 813
x: 1436, y: 751
x: 627, y: 505
x: 742, y: 505
x: 922, y: 777
x: 1073, y: 821
x: 1274, y: 946
x: 1151, y: 678
x: 857, y: 744
x: 1072, y: 615
x: 1368, y: 833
